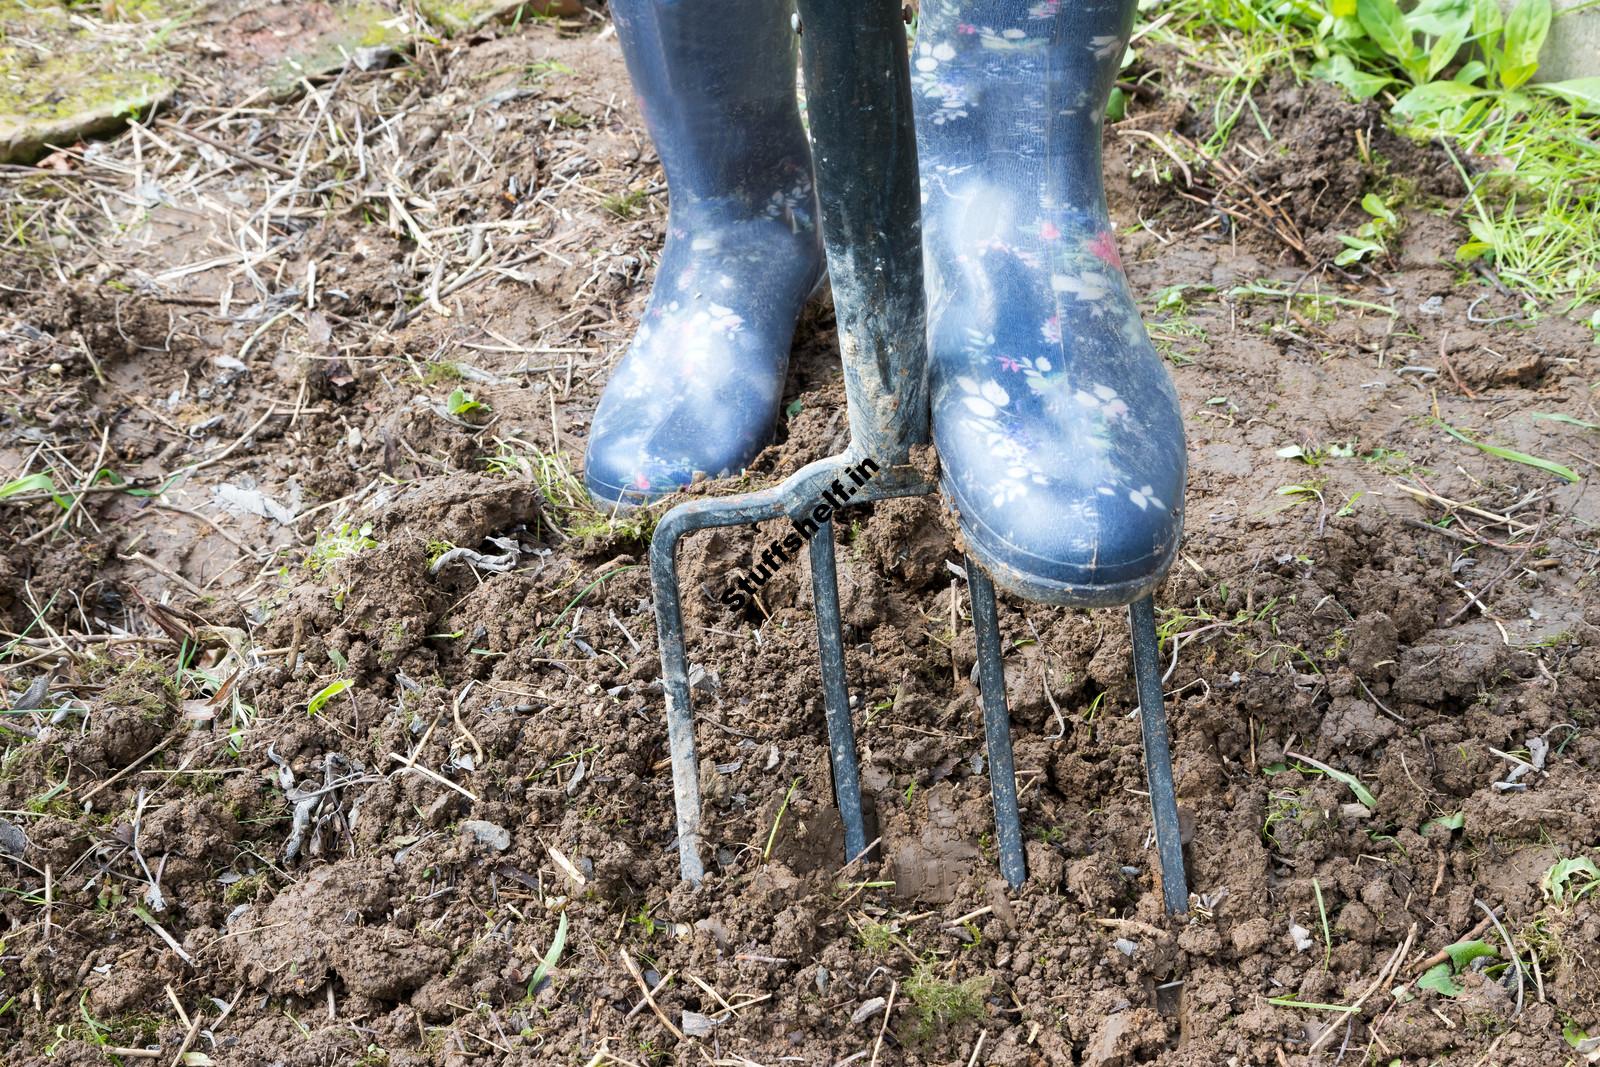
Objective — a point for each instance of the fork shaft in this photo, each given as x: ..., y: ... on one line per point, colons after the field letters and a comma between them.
x: 836, y: 691
x: 864, y: 151
x: 1158, y: 754
x: 997, y: 726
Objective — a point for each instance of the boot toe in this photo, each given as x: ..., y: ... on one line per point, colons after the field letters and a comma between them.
x: 1054, y: 510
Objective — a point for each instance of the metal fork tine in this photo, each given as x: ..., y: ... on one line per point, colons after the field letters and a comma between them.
x: 1158, y: 754
x: 836, y: 691
x: 680, y: 711
x: 997, y: 727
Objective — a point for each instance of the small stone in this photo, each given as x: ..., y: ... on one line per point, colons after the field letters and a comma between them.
x: 488, y: 834
x: 13, y: 842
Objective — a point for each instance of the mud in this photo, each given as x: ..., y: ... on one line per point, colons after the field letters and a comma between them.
x: 335, y: 877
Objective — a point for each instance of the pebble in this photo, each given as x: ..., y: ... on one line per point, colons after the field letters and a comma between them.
x: 488, y: 833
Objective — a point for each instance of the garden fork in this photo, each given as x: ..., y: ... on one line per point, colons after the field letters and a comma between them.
x: 859, y: 107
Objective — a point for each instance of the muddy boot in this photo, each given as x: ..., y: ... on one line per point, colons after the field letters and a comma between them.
x: 698, y: 390
x: 1058, y: 429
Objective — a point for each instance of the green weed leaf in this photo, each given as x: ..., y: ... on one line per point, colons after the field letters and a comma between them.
x: 1526, y: 29
x: 1342, y: 72
x: 327, y: 693
x: 1464, y: 952
x: 551, y: 958
x: 1570, y: 879
x: 34, y: 483
x: 1487, y: 21
x: 1581, y: 93
x: 1441, y: 980
x: 1387, y: 27
x: 1447, y: 822
x: 1514, y: 456
x: 1555, y: 416
x: 1434, y: 97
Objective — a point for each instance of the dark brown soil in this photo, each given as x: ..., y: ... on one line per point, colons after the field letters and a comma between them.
x: 377, y: 880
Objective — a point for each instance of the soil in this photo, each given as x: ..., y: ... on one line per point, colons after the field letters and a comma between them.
x: 216, y: 854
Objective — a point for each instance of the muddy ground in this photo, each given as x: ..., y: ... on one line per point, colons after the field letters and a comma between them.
x: 274, y: 791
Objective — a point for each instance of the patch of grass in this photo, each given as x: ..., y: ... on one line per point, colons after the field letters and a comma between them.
x: 625, y: 205
x: 1459, y: 72
x: 1175, y: 335
x: 567, y: 504
x: 340, y: 542
x: 545, y: 68
x: 878, y: 938
x: 941, y: 1003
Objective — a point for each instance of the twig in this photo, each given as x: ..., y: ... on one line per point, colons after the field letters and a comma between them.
x: 888, y: 1009
x: 637, y: 1008
x: 129, y: 769
x: 627, y: 962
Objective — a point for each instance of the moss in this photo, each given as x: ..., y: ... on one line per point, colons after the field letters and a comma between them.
x: 65, y: 83
x: 459, y: 16
x: 145, y: 687
x: 357, y: 26
x: 940, y: 1003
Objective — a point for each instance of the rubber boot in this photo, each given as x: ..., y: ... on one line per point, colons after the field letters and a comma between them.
x: 1059, y: 434
x: 699, y: 388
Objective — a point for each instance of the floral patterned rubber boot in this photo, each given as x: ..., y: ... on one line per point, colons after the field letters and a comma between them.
x: 1058, y: 429
x: 699, y: 388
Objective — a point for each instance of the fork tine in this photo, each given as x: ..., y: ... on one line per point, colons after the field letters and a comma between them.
x: 675, y: 683
x: 997, y: 726
x: 1158, y: 754
x: 836, y: 691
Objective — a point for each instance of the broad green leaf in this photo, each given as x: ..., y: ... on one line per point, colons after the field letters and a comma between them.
x: 1473, y: 250
x: 327, y: 693
x: 1464, y: 952
x: 1486, y: 23
x: 1343, y: 9
x: 1387, y: 27
x: 1557, y: 882
x: 1471, y: 73
x: 1434, y: 97
x: 1345, y: 74
x: 1526, y: 29
x: 1447, y: 822
x: 1373, y: 205
x: 1514, y: 456
x: 1440, y: 980
x: 1581, y: 93
x: 1445, y: 47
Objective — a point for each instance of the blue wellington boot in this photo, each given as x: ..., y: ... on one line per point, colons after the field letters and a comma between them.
x: 698, y: 390
x: 1058, y: 430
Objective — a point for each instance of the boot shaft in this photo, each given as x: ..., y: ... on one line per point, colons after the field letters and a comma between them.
x: 715, y: 81
x: 1021, y: 80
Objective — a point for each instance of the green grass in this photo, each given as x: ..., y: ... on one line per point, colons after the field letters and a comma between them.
x: 567, y: 504
x: 941, y: 1003
x: 1456, y: 72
